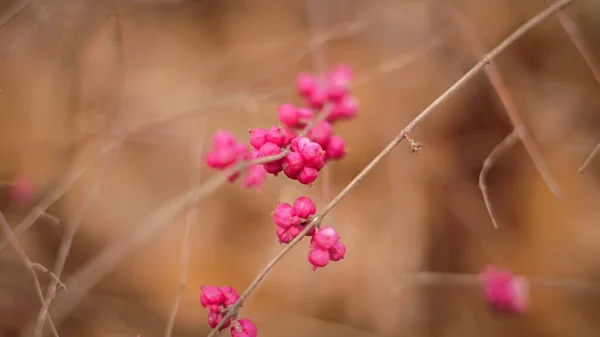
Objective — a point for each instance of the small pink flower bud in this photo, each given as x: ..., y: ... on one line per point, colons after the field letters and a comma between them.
x: 255, y: 176
x: 292, y: 164
x: 215, y: 317
x: 318, y: 257
x: 288, y: 115
x: 304, y: 207
x: 231, y: 296
x: 223, y: 139
x: 321, y: 133
x: 318, y: 98
x: 284, y: 215
x: 336, y: 149
x: 269, y: 149
x: 299, y: 143
x: 307, y: 176
x: 313, y: 155
x: 289, y: 234
x: 325, y: 238
x: 276, y: 136
x: 211, y: 295
x: 258, y: 137
x: 306, y: 84
x: 337, y: 252
x: 244, y: 328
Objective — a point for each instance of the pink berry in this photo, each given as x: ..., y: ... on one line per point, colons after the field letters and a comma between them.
x: 292, y: 164
x: 244, y: 328
x: 242, y: 151
x: 318, y: 98
x: 22, y: 190
x: 306, y: 115
x: 215, y: 317
x: 306, y: 84
x: 284, y: 215
x: 311, y: 231
x: 313, y: 155
x: 318, y: 257
x: 273, y: 167
x: 346, y: 108
x: 289, y: 136
x: 288, y: 115
x: 336, y: 148
x: 299, y: 143
x: 255, y: 176
x: 338, y: 82
x: 289, y: 234
x: 504, y: 291
x: 223, y: 139
x: 337, y: 252
x: 304, y: 207
x: 320, y: 133
x: 307, y: 176
x: 258, y: 137
x: 221, y: 158
x: 269, y: 149
x: 231, y: 296
x: 325, y: 238
x: 276, y: 136
x: 211, y: 295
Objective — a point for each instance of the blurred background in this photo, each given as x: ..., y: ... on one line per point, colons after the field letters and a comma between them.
x: 107, y: 106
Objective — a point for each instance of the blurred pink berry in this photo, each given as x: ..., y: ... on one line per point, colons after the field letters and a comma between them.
x: 269, y: 149
x: 244, y: 328
x: 318, y: 257
x: 338, y: 81
x: 255, y: 176
x: 284, y: 215
x: 313, y: 155
x: 307, y: 176
x: 292, y: 164
x: 317, y: 98
x: 304, y: 207
x: 289, y: 136
x: 211, y: 295
x: 22, y: 190
x: 320, y: 133
x: 276, y: 136
x: 306, y: 115
x: 325, y: 238
x: 336, y: 148
x: 337, y: 252
x: 231, y: 296
x: 289, y: 234
x: 221, y: 158
x: 299, y: 143
x: 242, y: 151
x: 306, y: 84
x: 288, y: 115
x: 258, y: 137
x: 273, y: 167
x: 504, y: 291
x: 223, y: 139
x: 345, y: 108
x: 215, y: 317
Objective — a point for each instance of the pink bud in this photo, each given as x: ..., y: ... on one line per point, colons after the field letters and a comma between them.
x: 325, y: 238
x: 255, y: 176
x: 337, y: 252
x: 231, y: 296
x: 211, y: 295
x: 276, y: 136
x: 292, y: 164
x: 284, y: 215
x: 318, y: 98
x: 306, y: 84
x: 313, y: 155
x: 336, y: 149
x: 288, y: 115
x: 304, y: 207
x: 289, y: 234
x: 307, y: 176
x: 244, y: 328
x: 223, y: 139
x: 321, y: 133
x: 318, y: 257
x: 299, y: 143
x: 258, y: 137
x: 269, y: 149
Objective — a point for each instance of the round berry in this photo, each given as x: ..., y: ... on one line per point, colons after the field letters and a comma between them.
x: 336, y: 149
x: 284, y: 216
x: 276, y: 136
x: 320, y: 133
x: 306, y: 84
x: 288, y: 115
x: 258, y: 137
x: 304, y: 207
x: 337, y: 252
x: 307, y: 176
x: 313, y: 155
x: 325, y: 238
x: 318, y: 257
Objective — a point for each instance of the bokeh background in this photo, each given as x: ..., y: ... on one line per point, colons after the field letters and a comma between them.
x: 106, y: 107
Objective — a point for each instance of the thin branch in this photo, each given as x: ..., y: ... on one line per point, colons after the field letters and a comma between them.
x: 232, y: 310
x: 502, y: 147
x: 588, y: 160
x: 196, y: 146
x: 28, y: 264
x: 495, y: 78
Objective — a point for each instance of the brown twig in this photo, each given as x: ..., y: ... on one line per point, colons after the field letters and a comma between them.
x: 8, y: 232
x: 196, y: 146
x: 588, y: 160
x: 498, y: 150
x: 495, y: 78
x: 407, y: 130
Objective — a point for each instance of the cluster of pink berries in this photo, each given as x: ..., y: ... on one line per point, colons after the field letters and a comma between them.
x: 504, y: 291
x: 216, y: 300
x: 290, y: 221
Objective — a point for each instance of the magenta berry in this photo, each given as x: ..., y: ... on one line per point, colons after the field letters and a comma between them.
x: 320, y: 133
x: 284, y: 216
x: 318, y: 257
x: 223, y: 139
x: 211, y: 295
x: 215, y: 317
x: 289, y: 136
x: 255, y: 176
x: 274, y: 167
x: 231, y: 296
x: 346, y: 108
x: 317, y: 98
x: 288, y: 115
x: 269, y: 149
x: 292, y: 164
x: 304, y: 207
x: 244, y: 328
x: 337, y: 252
x: 289, y: 234
x: 325, y: 238
x: 338, y: 82
x: 307, y: 176
x: 299, y: 143
x: 306, y: 84
x: 336, y: 149
x: 305, y: 114
x: 258, y: 137
x: 505, y: 292
x: 313, y: 155
x: 276, y: 136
